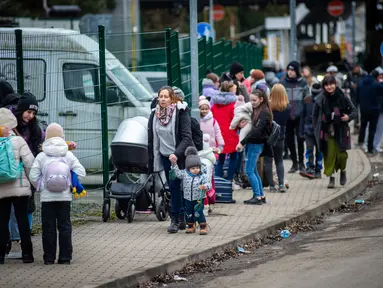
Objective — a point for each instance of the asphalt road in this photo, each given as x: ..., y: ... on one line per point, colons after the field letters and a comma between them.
x: 347, y: 251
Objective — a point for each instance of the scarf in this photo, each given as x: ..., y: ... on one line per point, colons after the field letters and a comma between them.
x: 164, y: 114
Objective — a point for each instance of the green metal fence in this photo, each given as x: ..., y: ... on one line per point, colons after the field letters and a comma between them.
x: 84, y: 82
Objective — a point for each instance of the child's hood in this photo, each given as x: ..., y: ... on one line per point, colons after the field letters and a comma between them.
x: 208, y: 154
x: 55, y: 146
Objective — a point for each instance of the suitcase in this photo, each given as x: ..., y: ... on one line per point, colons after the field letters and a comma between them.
x: 223, y: 190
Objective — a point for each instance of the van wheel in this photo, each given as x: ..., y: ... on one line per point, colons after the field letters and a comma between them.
x: 120, y: 212
x: 106, y: 210
x: 131, y: 211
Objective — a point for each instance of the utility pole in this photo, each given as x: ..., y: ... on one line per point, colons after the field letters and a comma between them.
x: 293, y: 34
x: 194, y: 57
x: 353, y: 32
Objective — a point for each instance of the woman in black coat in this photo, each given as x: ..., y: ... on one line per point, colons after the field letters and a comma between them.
x: 169, y: 134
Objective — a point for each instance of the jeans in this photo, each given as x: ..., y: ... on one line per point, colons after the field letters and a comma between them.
x: 232, y: 165
x: 371, y: 118
x: 310, y: 146
x: 56, y: 216
x: 20, y: 205
x: 190, y: 213
x: 175, y: 190
x: 278, y: 159
x: 292, y: 131
x: 252, y: 155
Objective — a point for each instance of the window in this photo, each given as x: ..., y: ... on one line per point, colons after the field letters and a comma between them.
x: 81, y: 82
x: 157, y: 83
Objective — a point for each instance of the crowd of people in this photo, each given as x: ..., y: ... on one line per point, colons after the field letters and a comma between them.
x: 245, y: 125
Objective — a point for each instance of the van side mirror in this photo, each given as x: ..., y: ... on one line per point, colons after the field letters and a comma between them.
x: 112, y: 96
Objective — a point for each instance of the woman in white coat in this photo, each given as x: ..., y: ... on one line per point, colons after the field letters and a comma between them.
x: 16, y: 191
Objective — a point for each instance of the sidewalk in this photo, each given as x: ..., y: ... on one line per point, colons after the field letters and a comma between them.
x: 104, y: 252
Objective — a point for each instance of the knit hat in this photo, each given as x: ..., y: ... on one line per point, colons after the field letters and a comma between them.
x: 316, y: 88
x: 294, y: 65
x: 7, y: 118
x: 257, y: 74
x: 54, y: 130
x: 192, y: 158
x: 332, y: 68
x: 27, y: 101
x: 179, y: 93
x: 203, y: 101
x: 236, y: 68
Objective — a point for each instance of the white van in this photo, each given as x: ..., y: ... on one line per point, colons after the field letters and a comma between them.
x: 61, y: 68
x: 152, y: 80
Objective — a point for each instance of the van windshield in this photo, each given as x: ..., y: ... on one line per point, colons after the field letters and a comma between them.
x: 134, y: 87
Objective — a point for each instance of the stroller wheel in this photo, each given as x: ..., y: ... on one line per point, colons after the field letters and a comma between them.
x: 131, y: 211
x: 106, y: 211
x: 120, y: 212
x: 161, y: 211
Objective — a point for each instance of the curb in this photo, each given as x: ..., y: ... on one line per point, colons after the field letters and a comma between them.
x: 313, y: 210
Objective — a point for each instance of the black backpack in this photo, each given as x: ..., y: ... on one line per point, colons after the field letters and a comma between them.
x: 197, y: 134
x: 274, y: 134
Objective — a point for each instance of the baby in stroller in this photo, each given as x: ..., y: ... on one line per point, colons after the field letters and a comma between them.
x: 195, y: 185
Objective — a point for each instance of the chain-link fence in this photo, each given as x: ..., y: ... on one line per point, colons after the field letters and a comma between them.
x: 90, y: 83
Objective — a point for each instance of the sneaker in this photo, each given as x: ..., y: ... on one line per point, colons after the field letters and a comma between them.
x: 301, y: 167
x: 331, y: 184
x: 63, y: 262
x: 308, y: 173
x: 273, y: 189
x: 343, y: 178
x: 235, y: 186
x: 203, y: 228
x: 282, y: 189
x: 294, y: 168
x: 253, y: 201
x: 318, y: 174
x: 191, y: 228
x: 181, y: 222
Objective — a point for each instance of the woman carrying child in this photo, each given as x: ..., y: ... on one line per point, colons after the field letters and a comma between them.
x: 255, y: 140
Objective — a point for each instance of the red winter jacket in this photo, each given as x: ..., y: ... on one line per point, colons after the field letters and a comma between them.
x: 223, y: 114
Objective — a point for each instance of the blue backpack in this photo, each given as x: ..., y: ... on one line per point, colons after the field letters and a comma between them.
x: 8, y: 169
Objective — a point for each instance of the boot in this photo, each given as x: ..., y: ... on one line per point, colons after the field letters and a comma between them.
x: 191, y: 228
x: 331, y: 184
x: 203, y: 228
x: 294, y: 168
x: 28, y: 259
x: 343, y: 178
x: 181, y: 222
x: 173, y: 228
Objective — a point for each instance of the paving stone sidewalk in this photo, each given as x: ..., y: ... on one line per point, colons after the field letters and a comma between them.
x: 106, y: 251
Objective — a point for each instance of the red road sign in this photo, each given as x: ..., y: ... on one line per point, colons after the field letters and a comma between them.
x: 218, y: 12
x: 335, y: 8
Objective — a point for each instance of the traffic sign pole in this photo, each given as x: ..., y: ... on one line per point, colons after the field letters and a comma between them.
x: 293, y: 37
x: 211, y: 19
x: 194, y: 57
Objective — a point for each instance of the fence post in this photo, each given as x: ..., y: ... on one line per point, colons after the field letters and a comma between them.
x: 19, y: 61
x: 168, y: 56
x: 177, y: 83
x: 104, y: 106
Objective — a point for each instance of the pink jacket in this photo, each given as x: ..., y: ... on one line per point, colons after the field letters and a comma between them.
x: 209, y: 126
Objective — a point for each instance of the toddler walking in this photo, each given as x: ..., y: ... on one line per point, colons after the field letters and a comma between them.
x: 195, y: 185
x: 51, y: 174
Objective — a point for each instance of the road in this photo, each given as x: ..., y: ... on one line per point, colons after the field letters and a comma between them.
x: 346, y: 251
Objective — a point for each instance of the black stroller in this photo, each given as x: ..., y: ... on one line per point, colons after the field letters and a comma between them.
x: 146, y: 193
